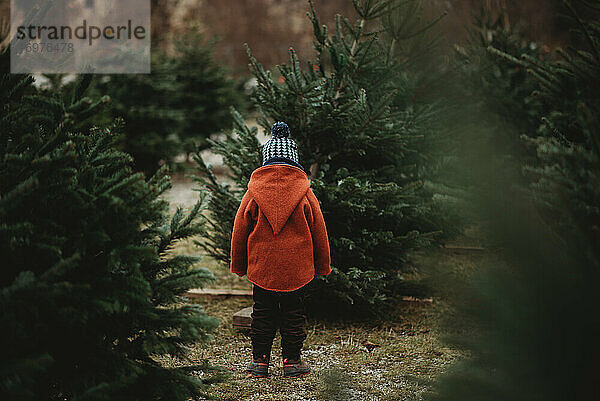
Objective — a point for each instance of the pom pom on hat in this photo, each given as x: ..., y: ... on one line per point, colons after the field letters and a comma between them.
x: 281, y: 146
x: 280, y: 130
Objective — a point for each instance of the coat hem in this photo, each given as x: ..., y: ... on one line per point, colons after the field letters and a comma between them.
x: 321, y: 272
x: 242, y: 272
x: 272, y: 289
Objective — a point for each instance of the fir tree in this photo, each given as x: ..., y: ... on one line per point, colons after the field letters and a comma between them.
x: 361, y: 143
x: 143, y: 101
x: 536, y: 323
x: 565, y: 172
x: 205, y: 91
x: 174, y: 109
x: 497, y: 88
x: 502, y: 86
x: 90, y: 291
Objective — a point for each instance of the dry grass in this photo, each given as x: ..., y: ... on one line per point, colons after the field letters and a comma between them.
x: 410, y: 356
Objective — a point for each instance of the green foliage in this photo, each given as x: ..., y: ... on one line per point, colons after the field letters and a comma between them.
x: 566, y: 170
x: 241, y: 153
x: 205, y: 91
x: 531, y: 325
x: 536, y: 321
x: 177, y: 107
x: 89, y: 288
x: 497, y: 88
x: 151, y: 124
x: 360, y: 132
x: 501, y: 85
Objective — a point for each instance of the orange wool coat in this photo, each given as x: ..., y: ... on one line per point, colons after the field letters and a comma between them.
x: 279, y: 236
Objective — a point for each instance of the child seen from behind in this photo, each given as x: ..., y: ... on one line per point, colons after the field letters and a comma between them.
x: 280, y: 242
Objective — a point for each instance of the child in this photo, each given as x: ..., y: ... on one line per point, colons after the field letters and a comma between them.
x: 280, y: 241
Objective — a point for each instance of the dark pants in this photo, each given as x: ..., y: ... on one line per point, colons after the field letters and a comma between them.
x: 272, y: 310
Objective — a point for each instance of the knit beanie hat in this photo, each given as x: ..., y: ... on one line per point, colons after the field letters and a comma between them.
x: 281, y: 146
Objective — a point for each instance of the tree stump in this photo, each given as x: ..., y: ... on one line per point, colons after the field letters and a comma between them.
x: 242, y: 319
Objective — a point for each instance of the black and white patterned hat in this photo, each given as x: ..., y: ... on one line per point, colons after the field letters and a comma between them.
x: 281, y: 146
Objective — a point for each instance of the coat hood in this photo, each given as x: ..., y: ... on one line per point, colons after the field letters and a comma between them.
x: 277, y: 189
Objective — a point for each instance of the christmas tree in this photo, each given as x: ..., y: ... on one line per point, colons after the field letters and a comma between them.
x: 205, y: 91
x: 535, y: 323
x: 504, y: 87
x: 492, y: 86
x: 173, y: 110
x: 143, y: 101
x: 360, y: 132
x: 90, y: 288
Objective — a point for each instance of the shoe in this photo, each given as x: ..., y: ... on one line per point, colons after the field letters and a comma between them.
x: 259, y: 367
x: 295, y: 368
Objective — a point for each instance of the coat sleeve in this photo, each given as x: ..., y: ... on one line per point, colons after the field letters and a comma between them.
x: 319, y: 237
x: 242, y: 227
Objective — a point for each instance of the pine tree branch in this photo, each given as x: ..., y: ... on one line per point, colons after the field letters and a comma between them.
x: 352, y: 54
x: 584, y: 29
